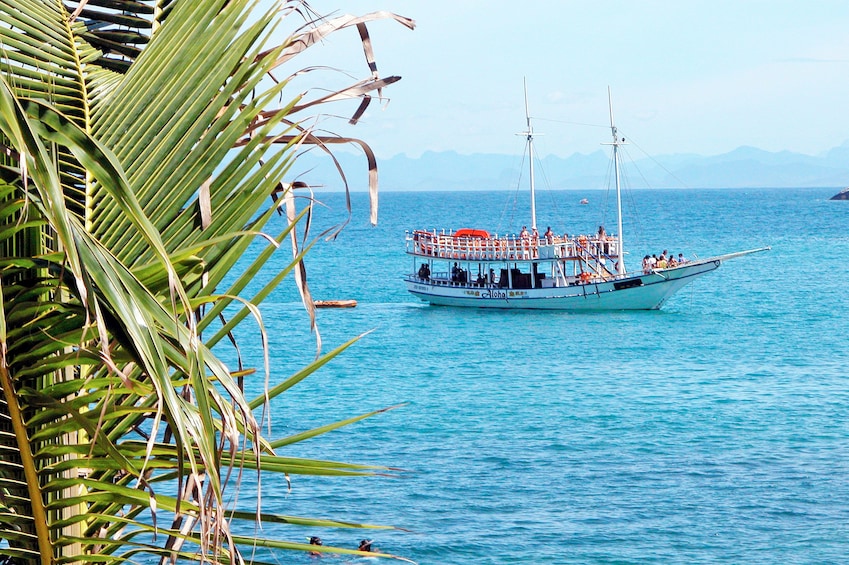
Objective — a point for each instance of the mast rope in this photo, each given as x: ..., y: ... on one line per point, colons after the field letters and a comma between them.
x: 514, y: 201
x: 573, y: 123
x: 548, y: 190
x: 656, y: 162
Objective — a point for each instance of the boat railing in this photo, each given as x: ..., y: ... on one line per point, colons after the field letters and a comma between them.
x: 511, y: 247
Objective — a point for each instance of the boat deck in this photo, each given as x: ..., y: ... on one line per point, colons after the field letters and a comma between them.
x: 444, y: 245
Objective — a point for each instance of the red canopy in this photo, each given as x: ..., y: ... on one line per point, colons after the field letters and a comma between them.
x: 471, y: 232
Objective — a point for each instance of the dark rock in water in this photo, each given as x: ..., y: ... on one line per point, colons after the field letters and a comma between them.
x: 842, y: 195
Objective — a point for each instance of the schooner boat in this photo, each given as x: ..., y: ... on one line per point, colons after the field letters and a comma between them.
x: 474, y: 268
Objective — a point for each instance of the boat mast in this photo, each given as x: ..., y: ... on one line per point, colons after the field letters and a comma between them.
x: 616, y: 143
x: 529, y: 134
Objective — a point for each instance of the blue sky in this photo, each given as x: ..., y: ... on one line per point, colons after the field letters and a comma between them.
x: 687, y: 76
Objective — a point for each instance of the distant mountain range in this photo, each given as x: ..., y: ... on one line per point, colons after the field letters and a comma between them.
x: 745, y: 167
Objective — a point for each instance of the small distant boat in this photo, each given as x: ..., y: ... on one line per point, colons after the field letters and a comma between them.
x: 335, y: 303
x: 842, y: 195
x: 476, y: 269
x: 584, y: 201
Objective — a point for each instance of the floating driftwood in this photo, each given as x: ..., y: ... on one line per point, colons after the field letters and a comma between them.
x: 335, y: 303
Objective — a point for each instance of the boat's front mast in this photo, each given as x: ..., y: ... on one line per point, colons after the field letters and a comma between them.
x: 530, y: 137
x: 616, y: 143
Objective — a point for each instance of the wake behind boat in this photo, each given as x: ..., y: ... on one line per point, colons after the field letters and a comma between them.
x: 471, y: 267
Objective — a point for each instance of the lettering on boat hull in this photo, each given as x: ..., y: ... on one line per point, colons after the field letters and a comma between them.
x: 494, y: 293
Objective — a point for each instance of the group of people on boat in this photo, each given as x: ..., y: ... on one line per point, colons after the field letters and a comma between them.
x: 549, y: 236
x: 365, y: 545
x: 599, y: 244
x: 666, y: 260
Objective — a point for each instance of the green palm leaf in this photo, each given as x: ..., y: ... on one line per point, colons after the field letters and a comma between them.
x: 139, y: 167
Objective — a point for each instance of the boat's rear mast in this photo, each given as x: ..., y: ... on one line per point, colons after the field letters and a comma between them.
x: 616, y: 143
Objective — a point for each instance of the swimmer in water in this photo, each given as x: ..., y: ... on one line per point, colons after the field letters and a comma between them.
x: 315, y: 540
x: 365, y: 545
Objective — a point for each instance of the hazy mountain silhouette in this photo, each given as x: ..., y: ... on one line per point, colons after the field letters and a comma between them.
x: 745, y: 167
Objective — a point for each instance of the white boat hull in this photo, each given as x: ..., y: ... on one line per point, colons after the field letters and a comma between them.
x: 634, y: 292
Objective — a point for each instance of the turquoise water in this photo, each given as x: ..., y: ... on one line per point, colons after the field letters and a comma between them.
x: 712, y: 431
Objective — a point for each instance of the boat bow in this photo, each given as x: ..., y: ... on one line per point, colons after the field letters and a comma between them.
x: 729, y: 256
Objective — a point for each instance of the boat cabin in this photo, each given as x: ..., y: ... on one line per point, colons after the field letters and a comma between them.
x: 475, y: 259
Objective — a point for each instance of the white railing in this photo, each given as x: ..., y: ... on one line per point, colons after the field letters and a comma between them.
x: 509, y: 247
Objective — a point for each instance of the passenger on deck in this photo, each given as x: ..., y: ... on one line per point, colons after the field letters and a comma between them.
x: 549, y: 235
x: 525, y: 238
x: 681, y: 259
x: 646, y: 265
x: 424, y: 272
x: 565, y: 247
x: 661, y: 262
x: 455, y: 272
x: 534, y: 244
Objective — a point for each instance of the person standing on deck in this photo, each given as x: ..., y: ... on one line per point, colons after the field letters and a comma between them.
x: 534, y: 243
x: 602, y: 240
x: 526, y: 242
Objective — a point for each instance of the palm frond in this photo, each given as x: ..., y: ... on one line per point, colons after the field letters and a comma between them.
x: 144, y: 143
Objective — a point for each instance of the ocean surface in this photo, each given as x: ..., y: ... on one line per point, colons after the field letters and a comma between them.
x: 715, y: 430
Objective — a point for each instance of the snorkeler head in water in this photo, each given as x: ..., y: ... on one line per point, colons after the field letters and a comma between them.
x: 365, y: 545
x: 315, y: 540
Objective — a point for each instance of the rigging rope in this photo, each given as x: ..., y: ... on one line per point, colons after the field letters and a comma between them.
x: 515, y: 198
